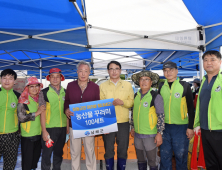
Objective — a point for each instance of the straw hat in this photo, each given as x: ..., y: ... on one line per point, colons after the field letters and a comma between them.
x: 154, y: 77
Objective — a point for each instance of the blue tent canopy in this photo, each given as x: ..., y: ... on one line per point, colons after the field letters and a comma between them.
x: 38, y: 35
x: 208, y: 14
x: 42, y: 25
x: 35, y: 60
x: 186, y: 60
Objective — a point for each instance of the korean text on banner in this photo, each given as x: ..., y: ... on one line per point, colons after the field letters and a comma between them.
x: 93, y: 118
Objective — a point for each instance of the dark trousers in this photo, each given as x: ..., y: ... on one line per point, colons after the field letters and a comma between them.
x: 9, y: 149
x: 174, y: 140
x: 31, y: 151
x: 121, y: 138
x: 58, y: 135
x: 212, y: 148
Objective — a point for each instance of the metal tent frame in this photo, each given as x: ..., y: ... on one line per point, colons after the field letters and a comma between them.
x: 80, y: 6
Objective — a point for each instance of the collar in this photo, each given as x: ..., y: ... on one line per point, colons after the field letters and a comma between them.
x: 60, y: 87
x: 166, y: 82
x: 78, y: 81
x: 146, y: 92
x: 119, y: 81
x: 206, y: 76
x: 6, y: 90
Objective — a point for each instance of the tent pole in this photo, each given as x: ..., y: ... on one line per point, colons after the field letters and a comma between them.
x: 153, y: 59
x: 40, y: 64
x: 201, y: 65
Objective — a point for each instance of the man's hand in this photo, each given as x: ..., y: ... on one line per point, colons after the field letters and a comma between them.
x: 45, y: 135
x: 69, y: 113
x: 132, y: 132
x: 190, y: 133
x: 197, y: 130
x: 117, y: 102
x: 158, y: 139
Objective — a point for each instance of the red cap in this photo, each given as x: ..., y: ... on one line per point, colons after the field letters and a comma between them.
x: 55, y: 70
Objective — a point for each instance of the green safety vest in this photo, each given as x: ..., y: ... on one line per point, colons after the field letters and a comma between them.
x: 175, y: 105
x: 144, y: 113
x: 214, y: 107
x: 55, y: 116
x: 8, y: 111
x: 31, y: 128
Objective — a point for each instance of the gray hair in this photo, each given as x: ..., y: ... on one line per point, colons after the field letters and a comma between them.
x: 84, y: 63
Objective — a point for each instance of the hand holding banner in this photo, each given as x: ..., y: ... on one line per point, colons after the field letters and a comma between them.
x: 93, y: 118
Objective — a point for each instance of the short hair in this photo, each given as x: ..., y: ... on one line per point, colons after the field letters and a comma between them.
x: 198, y: 84
x: 212, y: 52
x: 9, y: 72
x: 113, y: 62
x: 83, y: 63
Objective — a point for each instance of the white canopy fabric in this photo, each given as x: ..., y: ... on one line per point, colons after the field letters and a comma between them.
x: 145, y: 24
x: 128, y: 60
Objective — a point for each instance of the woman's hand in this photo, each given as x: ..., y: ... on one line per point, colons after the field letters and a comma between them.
x: 40, y: 110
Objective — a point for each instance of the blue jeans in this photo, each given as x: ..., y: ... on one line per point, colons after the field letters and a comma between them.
x: 174, y: 140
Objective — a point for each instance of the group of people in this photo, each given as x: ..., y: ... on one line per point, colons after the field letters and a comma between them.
x: 165, y: 118
x: 35, y: 116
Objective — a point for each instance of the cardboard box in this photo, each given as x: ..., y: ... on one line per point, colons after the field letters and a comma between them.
x: 83, y: 156
x: 130, y: 136
x: 131, y: 148
x: 100, y: 152
x: 115, y: 150
x: 96, y: 140
x: 131, y: 142
x: 82, y: 149
x: 69, y: 152
x: 131, y: 152
x: 100, y: 141
x: 65, y: 152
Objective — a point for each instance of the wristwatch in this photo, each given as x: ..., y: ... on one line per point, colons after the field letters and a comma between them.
x: 161, y: 132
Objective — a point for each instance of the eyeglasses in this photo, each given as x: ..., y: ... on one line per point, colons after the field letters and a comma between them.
x: 146, y: 80
x: 33, y: 86
x: 114, y: 69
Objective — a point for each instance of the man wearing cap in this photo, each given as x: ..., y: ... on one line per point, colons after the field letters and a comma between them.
x: 208, y: 116
x: 179, y: 118
x: 9, y: 135
x: 147, y: 120
x: 79, y: 91
x: 53, y: 121
x: 122, y: 92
